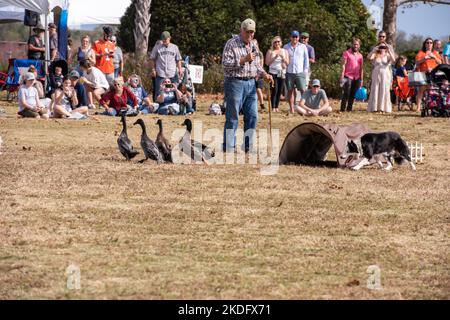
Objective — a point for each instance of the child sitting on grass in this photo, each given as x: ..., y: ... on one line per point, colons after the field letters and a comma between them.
x: 29, y: 104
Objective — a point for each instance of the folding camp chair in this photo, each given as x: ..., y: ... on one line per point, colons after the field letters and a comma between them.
x: 16, y: 69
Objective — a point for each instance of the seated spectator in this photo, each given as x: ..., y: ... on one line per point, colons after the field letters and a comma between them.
x: 168, y: 97
x: 80, y: 90
x: 39, y: 87
x: 29, y: 104
x: 56, y: 79
x: 115, y: 100
x: 186, y: 100
x: 66, y: 102
x: 314, y: 102
x: 144, y: 102
x: 94, y: 81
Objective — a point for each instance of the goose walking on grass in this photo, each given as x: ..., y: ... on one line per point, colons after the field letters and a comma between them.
x: 124, y: 143
x: 196, y: 150
x: 151, y: 151
x: 163, y: 144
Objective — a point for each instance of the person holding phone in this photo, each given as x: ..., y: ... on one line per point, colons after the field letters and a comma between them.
x: 168, y: 98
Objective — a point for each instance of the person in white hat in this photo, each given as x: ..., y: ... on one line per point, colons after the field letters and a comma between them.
x: 29, y: 104
x: 314, y: 101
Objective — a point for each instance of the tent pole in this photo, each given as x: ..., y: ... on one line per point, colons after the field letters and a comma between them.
x: 47, y: 54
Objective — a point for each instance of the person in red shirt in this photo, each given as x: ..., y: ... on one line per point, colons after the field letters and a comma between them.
x: 116, y: 100
x: 104, y: 54
x: 426, y: 60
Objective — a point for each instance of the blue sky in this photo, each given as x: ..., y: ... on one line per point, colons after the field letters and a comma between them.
x: 422, y: 19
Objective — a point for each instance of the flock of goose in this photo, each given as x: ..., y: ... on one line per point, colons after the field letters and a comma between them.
x: 160, y: 150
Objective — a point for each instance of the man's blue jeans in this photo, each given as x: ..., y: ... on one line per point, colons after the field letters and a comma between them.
x: 240, y: 94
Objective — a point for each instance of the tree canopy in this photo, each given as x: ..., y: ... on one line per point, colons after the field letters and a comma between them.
x: 201, y: 27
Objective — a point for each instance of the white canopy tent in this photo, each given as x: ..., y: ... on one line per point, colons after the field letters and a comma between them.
x: 80, y: 17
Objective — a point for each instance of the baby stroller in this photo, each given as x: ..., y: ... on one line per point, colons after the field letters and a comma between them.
x: 16, y: 69
x: 403, y: 92
x: 436, y: 99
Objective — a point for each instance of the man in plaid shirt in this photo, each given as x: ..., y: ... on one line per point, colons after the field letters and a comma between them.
x: 241, y: 65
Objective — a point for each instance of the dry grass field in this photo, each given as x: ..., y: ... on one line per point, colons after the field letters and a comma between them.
x: 147, y: 231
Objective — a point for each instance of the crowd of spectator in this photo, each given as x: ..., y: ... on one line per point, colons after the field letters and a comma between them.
x: 96, y: 79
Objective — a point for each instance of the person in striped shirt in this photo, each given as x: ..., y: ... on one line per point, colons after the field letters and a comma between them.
x: 241, y: 64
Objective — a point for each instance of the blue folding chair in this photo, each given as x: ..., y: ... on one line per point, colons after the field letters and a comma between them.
x: 20, y: 67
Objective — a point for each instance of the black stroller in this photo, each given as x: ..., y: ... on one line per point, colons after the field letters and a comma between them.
x: 436, y: 99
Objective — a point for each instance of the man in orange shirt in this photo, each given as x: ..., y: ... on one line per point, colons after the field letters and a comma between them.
x: 104, y: 54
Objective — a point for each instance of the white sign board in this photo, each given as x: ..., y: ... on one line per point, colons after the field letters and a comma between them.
x: 196, y: 73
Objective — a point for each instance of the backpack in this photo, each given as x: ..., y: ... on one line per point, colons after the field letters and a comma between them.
x: 215, y: 109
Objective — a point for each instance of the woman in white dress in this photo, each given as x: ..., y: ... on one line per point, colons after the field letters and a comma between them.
x: 382, y: 57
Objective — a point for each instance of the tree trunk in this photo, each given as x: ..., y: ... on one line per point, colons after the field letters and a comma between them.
x: 141, y: 26
x: 390, y: 21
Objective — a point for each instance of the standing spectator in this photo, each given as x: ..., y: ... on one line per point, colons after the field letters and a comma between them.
x: 29, y: 103
x: 94, y: 81
x: 80, y: 90
x: 165, y: 62
x: 104, y: 53
x: 426, y: 60
x: 277, y: 59
x: 382, y: 58
x: 446, y: 52
x: 304, y: 38
x: 437, y: 45
x: 298, y: 68
x: 36, y: 46
x: 352, y: 74
x: 118, y: 59
x: 314, y: 102
x: 260, y: 83
x: 382, y: 41
x: 116, y: 100
x: 83, y: 52
x: 53, y: 40
x: 241, y: 65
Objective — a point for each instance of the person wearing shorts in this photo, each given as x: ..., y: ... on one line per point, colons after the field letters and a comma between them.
x: 29, y: 103
x: 298, y: 68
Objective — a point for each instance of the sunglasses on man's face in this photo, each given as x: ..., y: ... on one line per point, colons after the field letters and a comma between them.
x: 316, y: 86
x: 294, y: 36
x: 381, y: 36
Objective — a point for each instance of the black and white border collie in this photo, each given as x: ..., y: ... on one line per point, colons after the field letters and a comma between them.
x: 389, y: 144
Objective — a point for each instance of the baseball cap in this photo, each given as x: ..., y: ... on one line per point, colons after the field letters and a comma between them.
x: 165, y: 35
x: 305, y: 34
x: 107, y: 30
x: 29, y: 76
x: 315, y: 82
x: 295, y: 33
x: 248, y: 25
x: 74, y: 74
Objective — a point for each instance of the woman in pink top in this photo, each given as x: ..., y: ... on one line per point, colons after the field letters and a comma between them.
x: 352, y: 74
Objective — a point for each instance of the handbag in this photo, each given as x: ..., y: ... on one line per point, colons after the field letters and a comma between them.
x: 361, y: 94
x: 416, y: 79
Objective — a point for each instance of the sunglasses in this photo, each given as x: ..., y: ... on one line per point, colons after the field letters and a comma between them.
x: 294, y: 36
x: 428, y: 42
x: 381, y: 36
x: 316, y: 86
x: 277, y: 41
x: 117, y: 84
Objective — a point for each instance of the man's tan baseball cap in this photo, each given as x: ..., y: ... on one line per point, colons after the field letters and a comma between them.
x: 248, y: 25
